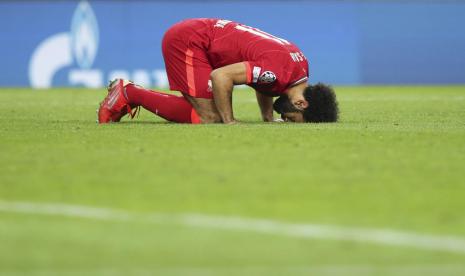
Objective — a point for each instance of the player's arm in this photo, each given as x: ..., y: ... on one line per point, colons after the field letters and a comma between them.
x: 266, y: 106
x: 223, y: 81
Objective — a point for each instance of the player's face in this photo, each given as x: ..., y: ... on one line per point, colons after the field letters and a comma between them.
x: 284, y: 105
x: 296, y: 117
x: 288, y: 111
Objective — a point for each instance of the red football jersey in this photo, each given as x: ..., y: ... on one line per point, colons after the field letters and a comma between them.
x: 273, y: 64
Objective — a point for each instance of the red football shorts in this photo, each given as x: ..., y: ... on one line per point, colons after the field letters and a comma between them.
x: 186, y: 62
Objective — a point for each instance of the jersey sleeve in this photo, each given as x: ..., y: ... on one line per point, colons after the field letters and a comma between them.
x: 261, y: 72
x: 279, y: 72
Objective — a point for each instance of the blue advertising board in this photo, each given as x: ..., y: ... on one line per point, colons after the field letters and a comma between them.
x: 86, y: 43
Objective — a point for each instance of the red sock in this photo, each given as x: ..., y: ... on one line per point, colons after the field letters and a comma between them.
x: 170, y: 107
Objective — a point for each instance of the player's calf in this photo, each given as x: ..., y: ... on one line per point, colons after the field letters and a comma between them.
x: 205, y: 110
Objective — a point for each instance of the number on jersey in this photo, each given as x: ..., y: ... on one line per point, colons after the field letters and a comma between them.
x: 262, y: 34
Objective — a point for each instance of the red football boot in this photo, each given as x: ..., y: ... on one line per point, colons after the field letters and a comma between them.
x: 115, y: 105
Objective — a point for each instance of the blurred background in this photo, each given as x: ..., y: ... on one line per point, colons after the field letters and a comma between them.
x: 86, y: 43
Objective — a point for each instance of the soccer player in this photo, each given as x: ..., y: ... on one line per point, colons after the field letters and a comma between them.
x: 205, y: 58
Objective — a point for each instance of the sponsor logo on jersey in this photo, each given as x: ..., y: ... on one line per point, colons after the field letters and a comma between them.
x: 267, y: 77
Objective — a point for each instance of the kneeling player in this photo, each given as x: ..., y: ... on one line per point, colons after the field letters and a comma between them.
x: 205, y: 58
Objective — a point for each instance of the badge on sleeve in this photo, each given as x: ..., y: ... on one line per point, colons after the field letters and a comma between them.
x: 267, y: 77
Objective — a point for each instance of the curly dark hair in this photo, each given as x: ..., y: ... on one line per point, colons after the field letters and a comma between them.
x: 322, y: 104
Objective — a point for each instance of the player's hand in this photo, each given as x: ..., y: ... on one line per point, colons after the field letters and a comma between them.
x: 268, y: 119
x: 233, y: 122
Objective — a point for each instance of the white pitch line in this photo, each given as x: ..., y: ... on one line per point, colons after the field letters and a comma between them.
x: 309, y: 231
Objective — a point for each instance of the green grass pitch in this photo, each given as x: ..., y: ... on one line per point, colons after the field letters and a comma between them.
x: 396, y: 160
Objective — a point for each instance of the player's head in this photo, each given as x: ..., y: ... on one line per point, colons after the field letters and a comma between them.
x: 321, y: 106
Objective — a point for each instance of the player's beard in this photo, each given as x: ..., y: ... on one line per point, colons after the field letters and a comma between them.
x: 283, y: 105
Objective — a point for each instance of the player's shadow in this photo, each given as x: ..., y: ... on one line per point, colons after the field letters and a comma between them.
x: 146, y: 123
x: 86, y: 122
